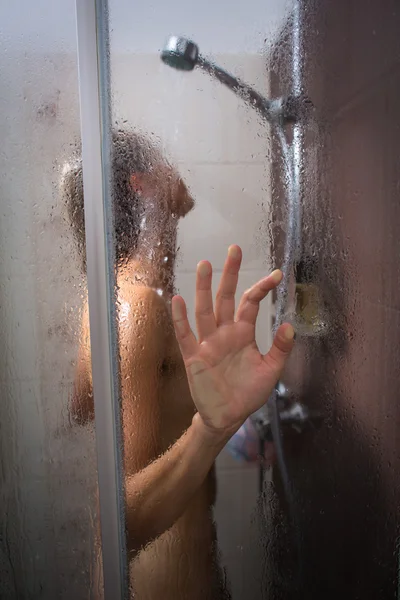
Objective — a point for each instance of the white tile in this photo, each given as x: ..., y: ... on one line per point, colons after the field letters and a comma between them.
x: 228, y: 511
x: 195, y: 117
x: 226, y: 461
x: 232, y: 206
x: 237, y: 492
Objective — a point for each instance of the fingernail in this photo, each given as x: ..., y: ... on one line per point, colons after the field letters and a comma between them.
x: 289, y: 333
x: 234, y: 251
x: 203, y: 269
x: 276, y: 275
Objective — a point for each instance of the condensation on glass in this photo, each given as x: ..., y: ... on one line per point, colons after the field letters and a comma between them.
x: 345, y: 470
x: 198, y: 170
x: 48, y: 494
x: 343, y: 56
x: 214, y: 191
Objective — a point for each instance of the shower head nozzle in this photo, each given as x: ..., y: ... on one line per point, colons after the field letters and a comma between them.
x: 180, y: 53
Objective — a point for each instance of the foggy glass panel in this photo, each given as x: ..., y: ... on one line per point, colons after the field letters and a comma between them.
x: 344, y: 471
x: 48, y: 491
x: 221, y: 149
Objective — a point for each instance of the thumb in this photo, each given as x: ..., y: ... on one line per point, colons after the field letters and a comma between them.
x: 280, y: 349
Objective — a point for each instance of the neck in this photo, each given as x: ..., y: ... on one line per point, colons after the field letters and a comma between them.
x: 153, y: 266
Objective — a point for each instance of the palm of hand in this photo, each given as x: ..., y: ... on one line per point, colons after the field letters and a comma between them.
x: 229, y: 378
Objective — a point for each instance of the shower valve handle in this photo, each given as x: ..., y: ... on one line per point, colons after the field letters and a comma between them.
x: 292, y: 415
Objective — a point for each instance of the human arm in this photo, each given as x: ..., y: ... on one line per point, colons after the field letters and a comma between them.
x: 228, y: 377
x: 229, y: 380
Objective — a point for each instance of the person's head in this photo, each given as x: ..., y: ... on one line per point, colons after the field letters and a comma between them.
x: 147, y: 193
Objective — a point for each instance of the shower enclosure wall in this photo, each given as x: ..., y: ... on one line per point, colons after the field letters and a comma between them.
x: 346, y: 474
x: 343, y: 287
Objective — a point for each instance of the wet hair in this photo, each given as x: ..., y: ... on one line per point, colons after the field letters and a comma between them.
x: 131, y: 153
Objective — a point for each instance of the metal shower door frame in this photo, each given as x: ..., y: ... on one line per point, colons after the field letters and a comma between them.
x: 95, y: 109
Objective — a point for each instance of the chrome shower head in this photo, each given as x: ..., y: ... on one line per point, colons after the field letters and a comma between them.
x: 183, y: 55
x: 180, y: 53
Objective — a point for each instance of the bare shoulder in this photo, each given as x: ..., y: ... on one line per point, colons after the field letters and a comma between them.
x: 141, y: 302
x: 140, y: 293
x: 143, y: 318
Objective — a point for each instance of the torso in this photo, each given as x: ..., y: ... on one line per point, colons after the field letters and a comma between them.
x: 182, y: 563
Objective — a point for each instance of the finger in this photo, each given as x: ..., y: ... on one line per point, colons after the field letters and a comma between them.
x: 205, y: 319
x: 185, y: 336
x: 225, y: 299
x: 250, y: 302
x: 280, y: 349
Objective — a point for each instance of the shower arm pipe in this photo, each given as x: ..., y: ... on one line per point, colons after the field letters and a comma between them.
x: 270, y: 110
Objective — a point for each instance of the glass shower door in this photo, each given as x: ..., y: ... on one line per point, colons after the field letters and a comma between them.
x: 345, y: 471
x: 193, y: 160
x: 102, y: 221
x: 49, y: 542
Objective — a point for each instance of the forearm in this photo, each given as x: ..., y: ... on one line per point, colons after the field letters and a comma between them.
x: 158, y: 495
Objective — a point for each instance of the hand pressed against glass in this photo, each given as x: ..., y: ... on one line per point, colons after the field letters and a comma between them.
x: 228, y: 376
